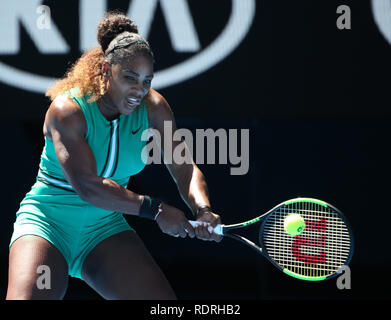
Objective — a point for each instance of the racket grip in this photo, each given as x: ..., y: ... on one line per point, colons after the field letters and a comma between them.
x: 218, y: 229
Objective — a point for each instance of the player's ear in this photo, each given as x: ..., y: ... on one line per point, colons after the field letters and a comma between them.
x: 106, y: 69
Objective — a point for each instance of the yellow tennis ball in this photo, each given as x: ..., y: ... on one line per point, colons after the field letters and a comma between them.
x: 294, y: 224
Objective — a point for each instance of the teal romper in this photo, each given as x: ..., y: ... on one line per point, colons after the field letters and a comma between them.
x: 55, y: 212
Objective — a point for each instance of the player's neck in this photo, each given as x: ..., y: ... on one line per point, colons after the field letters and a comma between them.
x: 107, y: 108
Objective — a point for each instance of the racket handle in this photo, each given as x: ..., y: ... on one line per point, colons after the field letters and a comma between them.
x: 218, y: 229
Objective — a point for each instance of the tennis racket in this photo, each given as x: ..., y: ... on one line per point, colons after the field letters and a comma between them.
x: 317, y: 253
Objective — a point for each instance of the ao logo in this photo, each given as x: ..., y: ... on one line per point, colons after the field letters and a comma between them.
x: 382, y: 14
x: 176, y: 13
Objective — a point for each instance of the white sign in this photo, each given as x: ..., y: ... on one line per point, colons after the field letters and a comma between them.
x: 50, y: 41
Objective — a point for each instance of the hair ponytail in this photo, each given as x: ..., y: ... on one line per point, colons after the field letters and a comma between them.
x: 85, y: 74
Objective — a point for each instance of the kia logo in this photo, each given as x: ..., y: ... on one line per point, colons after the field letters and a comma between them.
x: 382, y: 15
x: 50, y: 41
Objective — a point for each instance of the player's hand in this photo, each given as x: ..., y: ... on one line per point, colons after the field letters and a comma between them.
x: 201, y: 231
x: 173, y: 222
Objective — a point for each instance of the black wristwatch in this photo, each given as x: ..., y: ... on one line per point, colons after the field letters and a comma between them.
x: 150, y: 208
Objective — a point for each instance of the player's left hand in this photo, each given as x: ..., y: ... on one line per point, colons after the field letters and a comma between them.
x: 201, y: 231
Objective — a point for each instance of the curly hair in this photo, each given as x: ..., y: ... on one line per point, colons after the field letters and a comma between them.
x: 86, y: 73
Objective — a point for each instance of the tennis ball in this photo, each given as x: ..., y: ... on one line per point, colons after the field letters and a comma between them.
x: 294, y: 224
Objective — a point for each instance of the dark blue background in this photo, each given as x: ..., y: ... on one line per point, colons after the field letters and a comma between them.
x: 316, y: 101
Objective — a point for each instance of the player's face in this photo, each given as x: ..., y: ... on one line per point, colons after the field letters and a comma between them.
x: 130, y: 82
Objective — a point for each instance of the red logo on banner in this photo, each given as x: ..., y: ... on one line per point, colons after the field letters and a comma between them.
x: 319, y: 242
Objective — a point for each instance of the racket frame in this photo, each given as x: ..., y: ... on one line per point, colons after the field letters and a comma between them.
x: 225, y: 231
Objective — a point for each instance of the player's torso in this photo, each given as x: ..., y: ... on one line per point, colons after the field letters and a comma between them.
x: 117, y: 145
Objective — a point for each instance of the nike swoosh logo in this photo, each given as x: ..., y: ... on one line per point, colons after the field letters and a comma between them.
x: 135, y: 131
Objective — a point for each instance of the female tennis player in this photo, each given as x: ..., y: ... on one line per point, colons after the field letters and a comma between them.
x: 71, y: 220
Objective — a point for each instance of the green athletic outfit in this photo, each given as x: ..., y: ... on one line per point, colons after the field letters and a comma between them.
x: 55, y: 212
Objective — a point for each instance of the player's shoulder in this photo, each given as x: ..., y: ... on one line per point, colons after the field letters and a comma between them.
x: 64, y: 113
x: 157, y: 105
x: 65, y: 106
x: 154, y: 99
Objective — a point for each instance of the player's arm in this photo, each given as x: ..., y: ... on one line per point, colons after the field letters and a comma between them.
x: 188, y: 177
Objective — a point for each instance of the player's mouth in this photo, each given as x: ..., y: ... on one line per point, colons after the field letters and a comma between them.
x: 132, y: 103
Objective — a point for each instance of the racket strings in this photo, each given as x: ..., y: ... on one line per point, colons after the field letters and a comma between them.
x: 320, y: 250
